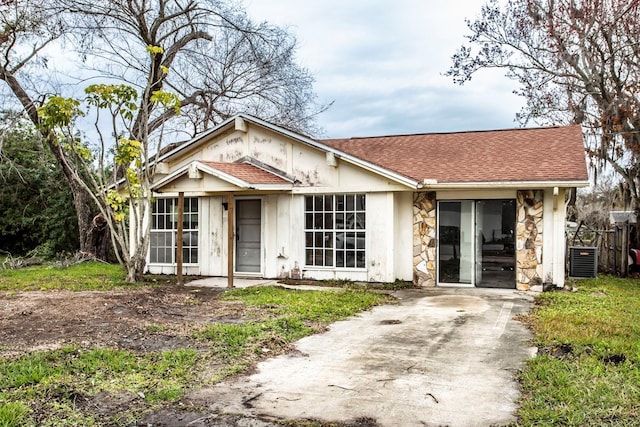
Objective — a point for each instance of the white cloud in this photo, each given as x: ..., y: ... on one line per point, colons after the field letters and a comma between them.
x: 382, y: 62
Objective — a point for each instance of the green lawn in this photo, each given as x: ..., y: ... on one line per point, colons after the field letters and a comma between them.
x: 71, y: 386
x: 587, y: 372
x: 95, y: 276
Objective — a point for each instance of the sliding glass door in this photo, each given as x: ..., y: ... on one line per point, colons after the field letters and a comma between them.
x: 476, y: 243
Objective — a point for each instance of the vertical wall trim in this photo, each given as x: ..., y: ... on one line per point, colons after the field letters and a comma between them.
x: 529, y: 238
x: 424, y: 239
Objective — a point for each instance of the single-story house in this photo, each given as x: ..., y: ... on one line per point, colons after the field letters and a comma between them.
x: 468, y: 209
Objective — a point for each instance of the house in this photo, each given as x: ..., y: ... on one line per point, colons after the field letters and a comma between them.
x: 457, y: 209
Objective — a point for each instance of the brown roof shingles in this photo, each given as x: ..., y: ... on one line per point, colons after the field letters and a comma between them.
x: 247, y: 172
x: 527, y: 154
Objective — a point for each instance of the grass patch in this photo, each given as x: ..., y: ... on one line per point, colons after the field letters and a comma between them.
x: 349, y: 284
x: 85, y: 276
x: 106, y: 386
x: 13, y: 414
x: 588, y: 368
x: 63, y: 381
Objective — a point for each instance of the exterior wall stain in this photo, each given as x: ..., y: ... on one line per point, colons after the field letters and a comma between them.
x: 529, y: 228
x: 234, y: 141
x: 424, y: 239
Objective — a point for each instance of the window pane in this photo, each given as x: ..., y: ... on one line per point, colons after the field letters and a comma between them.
x: 340, y: 237
x: 308, y: 203
x: 328, y: 258
x: 340, y: 202
x: 318, y: 223
x: 328, y: 240
x: 350, y: 202
x: 309, y: 257
x: 360, y: 222
x: 350, y: 259
x: 339, y: 221
x: 194, y: 255
x: 318, y: 203
x: 328, y: 221
x: 360, y: 202
x: 328, y: 203
x: 319, y: 240
x: 160, y: 206
x: 318, y: 255
x: 360, y: 259
x: 194, y: 204
x: 350, y: 221
x: 308, y: 221
x: 308, y: 241
x: 360, y: 240
x: 350, y: 240
x: 339, y: 259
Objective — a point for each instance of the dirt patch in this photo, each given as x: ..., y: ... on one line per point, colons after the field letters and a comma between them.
x: 142, y: 320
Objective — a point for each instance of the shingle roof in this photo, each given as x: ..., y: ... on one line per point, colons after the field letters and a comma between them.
x: 247, y: 172
x: 526, y: 154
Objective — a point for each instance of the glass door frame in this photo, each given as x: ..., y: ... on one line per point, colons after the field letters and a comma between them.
x: 439, y: 269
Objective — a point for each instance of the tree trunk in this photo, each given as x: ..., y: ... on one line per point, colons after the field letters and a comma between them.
x: 91, y: 237
x: 82, y: 199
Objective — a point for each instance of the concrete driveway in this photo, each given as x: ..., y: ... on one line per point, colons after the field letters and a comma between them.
x: 438, y: 357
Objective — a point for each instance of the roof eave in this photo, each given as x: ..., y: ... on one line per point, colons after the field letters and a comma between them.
x: 505, y: 184
x: 240, y: 183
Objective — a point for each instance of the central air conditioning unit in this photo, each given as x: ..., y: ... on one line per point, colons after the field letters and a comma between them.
x: 583, y: 262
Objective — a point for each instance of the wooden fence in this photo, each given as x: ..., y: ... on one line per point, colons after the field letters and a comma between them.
x: 612, y: 245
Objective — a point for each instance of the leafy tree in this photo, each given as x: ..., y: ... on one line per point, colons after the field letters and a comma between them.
x: 37, y: 209
x: 207, y: 52
x: 576, y: 61
x: 124, y: 204
x: 27, y: 29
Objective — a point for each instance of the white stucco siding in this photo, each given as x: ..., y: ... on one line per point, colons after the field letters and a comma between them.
x: 380, y: 233
x: 226, y: 148
x: 269, y: 148
x: 212, y: 237
x: 403, y: 236
x: 553, y: 254
x: 276, y: 219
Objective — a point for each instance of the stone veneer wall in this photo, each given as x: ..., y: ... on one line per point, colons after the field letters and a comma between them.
x: 424, y: 238
x: 529, y: 238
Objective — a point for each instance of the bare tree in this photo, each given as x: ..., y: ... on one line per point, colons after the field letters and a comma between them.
x: 576, y: 62
x: 207, y: 52
x: 221, y: 63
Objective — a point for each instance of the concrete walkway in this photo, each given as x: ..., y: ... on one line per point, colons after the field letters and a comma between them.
x: 438, y: 357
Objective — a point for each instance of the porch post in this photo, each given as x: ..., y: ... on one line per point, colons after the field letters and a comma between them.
x: 231, y: 234
x: 179, y: 237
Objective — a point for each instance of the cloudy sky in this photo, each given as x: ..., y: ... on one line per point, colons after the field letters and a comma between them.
x: 382, y: 63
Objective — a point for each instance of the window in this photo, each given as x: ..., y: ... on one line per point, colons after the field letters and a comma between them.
x: 335, y: 230
x: 164, y: 228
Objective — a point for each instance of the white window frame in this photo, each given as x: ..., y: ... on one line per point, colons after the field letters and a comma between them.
x: 165, y: 223
x: 335, y: 231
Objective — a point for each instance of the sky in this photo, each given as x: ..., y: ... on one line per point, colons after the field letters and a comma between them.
x: 382, y: 64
